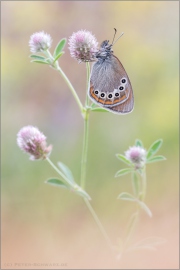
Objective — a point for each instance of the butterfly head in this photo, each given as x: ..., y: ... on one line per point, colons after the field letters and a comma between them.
x: 105, y: 51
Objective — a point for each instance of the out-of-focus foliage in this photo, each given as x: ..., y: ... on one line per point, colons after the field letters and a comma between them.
x: 40, y: 219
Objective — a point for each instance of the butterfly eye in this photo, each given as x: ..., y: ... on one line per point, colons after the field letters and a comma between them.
x: 121, y: 88
x: 103, y: 95
x: 123, y: 80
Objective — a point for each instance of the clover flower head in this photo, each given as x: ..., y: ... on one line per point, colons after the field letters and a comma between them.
x: 137, y: 155
x: 83, y: 46
x: 39, y: 42
x: 33, y: 142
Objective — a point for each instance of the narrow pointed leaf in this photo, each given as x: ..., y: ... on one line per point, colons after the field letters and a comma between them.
x: 123, y: 172
x: 155, y: 159
x: 67, y: 172
x: 59, y: 47
x: 123, y: 159
x: 56, y: 182
x: 139, y: 143
x: 41, y: 62
x: 154, y: 148
x: 37, y: 57
x: 58, y: 56
x: 126, y: 196
x: 98, y: 109
x: 145, y: 208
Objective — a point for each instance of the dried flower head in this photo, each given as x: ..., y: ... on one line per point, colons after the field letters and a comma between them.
x: 137, y: 155
x: 39, y: 42
x: 83, y: 46
x: 33, y: 142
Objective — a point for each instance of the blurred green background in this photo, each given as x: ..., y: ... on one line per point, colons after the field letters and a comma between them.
x: 42, y: 224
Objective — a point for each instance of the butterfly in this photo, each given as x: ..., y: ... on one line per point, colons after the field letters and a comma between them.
x: 110, y: 86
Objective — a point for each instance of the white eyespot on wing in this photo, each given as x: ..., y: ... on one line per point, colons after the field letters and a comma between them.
x: 124, y: 81
x: 103, y: 95
x: 116, y: 93
x: 121, y: 88
x: 97, y: 92
x: 110, y: 95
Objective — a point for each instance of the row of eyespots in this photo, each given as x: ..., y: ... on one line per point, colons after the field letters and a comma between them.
x: 115, y: 93
x: 112, y: 95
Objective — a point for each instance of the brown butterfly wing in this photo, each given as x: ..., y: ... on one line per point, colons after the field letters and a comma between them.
x: 105, y: 80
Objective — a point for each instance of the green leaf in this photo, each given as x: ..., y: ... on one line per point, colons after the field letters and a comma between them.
x: 41, y: 61
x: 78, y: 190
x: 145, y: 208
x: 127, y: 197
x: 67, y: 172
x: 59, y: 47
x: 37, y: 57
x: 123, y: 171
x: 135, y: 184
x: 154, y: 148
x: 98, y: 109
x: 139, y: 143
x: 93, y: 105
x: 58, y: 56
x: 123, y: 159
x: 155, y: 159
x: 56, y: 182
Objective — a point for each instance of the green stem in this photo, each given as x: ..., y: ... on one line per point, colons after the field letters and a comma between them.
x: 86, y: 130
x: 130, y: 228
x: 144, y: 184
x: 58, y: 171
x: 71, y: 88
x: 86, y: 202
x: 85, y: 113
x: 87, y: 83
x: 85, y: 149
x: 98, y: 223
x: 135, y: 216
x: 57, y: 67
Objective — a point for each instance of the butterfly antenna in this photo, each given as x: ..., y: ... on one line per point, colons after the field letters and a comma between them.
x: 115, y: 31
x: 117, y: 38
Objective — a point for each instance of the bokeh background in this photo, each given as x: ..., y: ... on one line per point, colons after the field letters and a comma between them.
x: 42, y: 224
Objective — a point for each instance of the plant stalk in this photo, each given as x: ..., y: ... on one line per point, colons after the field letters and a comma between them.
x: 57, y: 67
x: 98, y: 223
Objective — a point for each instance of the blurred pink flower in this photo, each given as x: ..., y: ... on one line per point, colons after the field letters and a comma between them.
x: 33, y: 142
x: 39, y: 42
x: 137, y: 155
x: 83, y: 46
